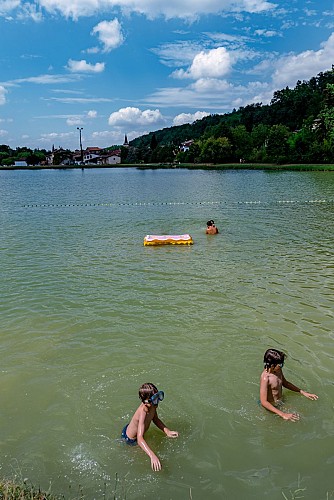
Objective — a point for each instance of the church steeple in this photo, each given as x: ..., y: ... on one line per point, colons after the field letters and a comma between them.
x: 126, y: 143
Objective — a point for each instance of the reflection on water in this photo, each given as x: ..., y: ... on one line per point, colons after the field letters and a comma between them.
x: 88, y: 314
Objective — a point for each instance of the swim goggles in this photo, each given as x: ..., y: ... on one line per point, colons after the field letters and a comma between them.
x: 158, y: 396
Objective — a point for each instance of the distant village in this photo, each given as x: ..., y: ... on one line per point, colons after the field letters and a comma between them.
x: 91, y: 155
x: 88, y: 156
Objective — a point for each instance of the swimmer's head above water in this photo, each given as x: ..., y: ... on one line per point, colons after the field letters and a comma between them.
x: 272, y: 358
x: 149, y: 394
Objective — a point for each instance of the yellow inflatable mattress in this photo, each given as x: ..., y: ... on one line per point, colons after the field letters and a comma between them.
x: 168, y: 239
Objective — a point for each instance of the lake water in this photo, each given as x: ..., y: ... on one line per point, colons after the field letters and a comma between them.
x: 88, y: 314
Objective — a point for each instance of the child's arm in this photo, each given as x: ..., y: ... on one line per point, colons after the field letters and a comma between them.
x: 270, y: 407
x: 163, y: 428
x: 294, y: 388
x: 155, y: 462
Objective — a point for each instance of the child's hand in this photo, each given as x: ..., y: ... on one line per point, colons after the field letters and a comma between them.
x: 155, y: 463
x: 171, y: 434
x: 308, y: 395
x: 291, y: 416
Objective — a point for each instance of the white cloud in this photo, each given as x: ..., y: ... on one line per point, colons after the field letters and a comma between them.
x: 74, y: 120
x: 70, y: 119
x: 135, y: 116
x: 183, y: 118
x: 178, y: 53
x: 92, y: 50
x: 30, y: 11
x: 8, y: 5
x: 218, y: 96
x: 103, y: 138
x: 78, y: 100
x: 210, y: 85
x: 183, y: 9
x: 67, y: 91
x: 113, y: 136
x: 288, y: 69
x: 84, y: 67
x: 53, y: 136
x: 3, y: 133
x: 267, y: 33
x: 47, y: 79
x: 227, y: 37
x: 110, y: 34
x: 213, y: 63
x: 3, y: 93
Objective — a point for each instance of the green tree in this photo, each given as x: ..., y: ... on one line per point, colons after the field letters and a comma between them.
x: 126, y: 152
x: 277, y: 145
x: 215, y: 150
x: 242, y: 142
x: 8, y: 161
x: 194, y: 153
x: 327, y: 121
x: 61, y: 155
x: 6, y: 149
x: 154, y: 142
x: 3, y: 156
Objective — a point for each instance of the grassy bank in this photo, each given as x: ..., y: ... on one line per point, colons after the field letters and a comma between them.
x: 18, y: 489
x: 243, y: 166
x: 264, y: 166
x: 10, y: 490
x: 190, y: 166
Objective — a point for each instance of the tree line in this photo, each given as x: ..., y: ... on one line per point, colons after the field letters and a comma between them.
x: 9, y: 156
x: 296, y: 127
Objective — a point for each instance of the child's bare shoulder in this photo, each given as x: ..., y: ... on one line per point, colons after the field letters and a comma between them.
x: 141, y: 412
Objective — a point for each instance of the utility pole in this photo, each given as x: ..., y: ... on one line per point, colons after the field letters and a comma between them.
x: 80, y: 128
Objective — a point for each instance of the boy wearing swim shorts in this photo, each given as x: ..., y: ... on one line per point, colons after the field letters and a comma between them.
x: 271, y: 383
x: 133, y: 433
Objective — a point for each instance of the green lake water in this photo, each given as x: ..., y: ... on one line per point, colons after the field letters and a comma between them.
x: 88, y: 314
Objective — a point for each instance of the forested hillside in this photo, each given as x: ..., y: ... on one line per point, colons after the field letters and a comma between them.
x: 296, y: 127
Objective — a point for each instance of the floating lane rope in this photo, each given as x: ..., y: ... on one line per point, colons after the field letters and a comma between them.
x: 153, y: 204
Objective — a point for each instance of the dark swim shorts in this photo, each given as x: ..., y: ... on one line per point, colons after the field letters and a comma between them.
x: 132, y: 442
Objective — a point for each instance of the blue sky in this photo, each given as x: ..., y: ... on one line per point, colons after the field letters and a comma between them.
x: 116, y: 67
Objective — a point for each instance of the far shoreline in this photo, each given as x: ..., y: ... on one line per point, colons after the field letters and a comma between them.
x: 319, y: 167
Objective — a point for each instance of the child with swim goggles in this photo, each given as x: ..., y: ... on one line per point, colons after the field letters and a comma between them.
x: 133, y: 433
x: 272, y: 381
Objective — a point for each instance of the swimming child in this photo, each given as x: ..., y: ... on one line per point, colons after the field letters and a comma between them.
x: 133, y: 433
x: 211, y: 228
x: 272, y: 381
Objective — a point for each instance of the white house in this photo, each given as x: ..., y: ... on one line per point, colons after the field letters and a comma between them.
x: 112, y: 158
x: 91, y: 155
x: 186, y: 145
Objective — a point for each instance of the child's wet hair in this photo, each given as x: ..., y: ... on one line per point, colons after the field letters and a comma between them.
x: 146, y: 391
x: 273, y: 357
x: 210, y: 223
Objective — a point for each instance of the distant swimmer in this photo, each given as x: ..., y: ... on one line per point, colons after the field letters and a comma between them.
x: 211, y: 228
x: 133, y: 433
x: 272, y: 381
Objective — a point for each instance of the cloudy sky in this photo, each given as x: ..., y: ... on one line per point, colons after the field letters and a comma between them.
x: 116, y: 67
